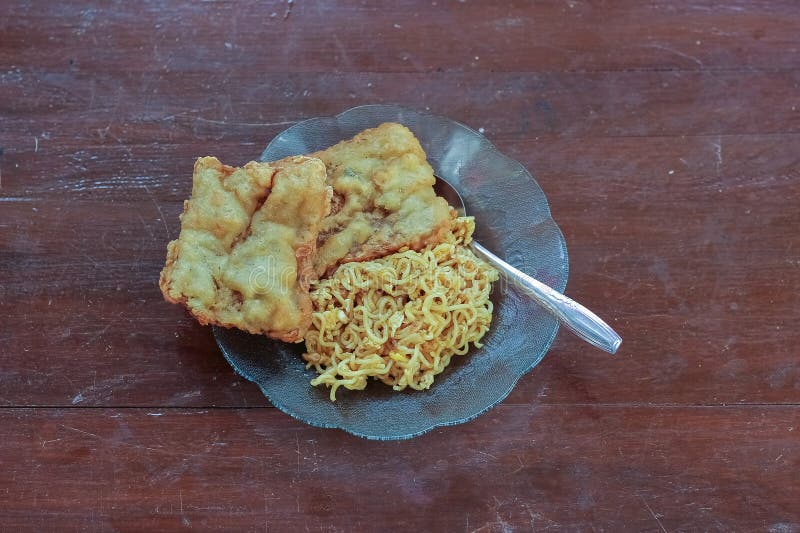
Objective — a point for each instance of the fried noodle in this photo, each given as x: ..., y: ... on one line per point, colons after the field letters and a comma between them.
x: 401, y: 318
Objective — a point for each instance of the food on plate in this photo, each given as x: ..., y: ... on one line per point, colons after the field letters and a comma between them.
x: 400, y: 318
x: 400, y: 292
x: 383, y: 198
x: 248, y: 235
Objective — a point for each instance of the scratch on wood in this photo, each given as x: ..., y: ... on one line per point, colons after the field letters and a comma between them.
x: 521, y: 465
x: 531, y: 514
x: 81, y: 431
x: 313, y: 444
x: 297, y: 441
x: 158, y: 207
x: 289, y: 5
x: 342, y: 50
x: 654, y: 515
x: 676, y: 52
x: 185, y: 521
x: 158, y: 450
x: 499, y: 521
x: 87, y: 256
x: 94, y: 337
x: 718, y: 151
x: 487, y: 454
x: 247, y: 124
x: 266, y: 514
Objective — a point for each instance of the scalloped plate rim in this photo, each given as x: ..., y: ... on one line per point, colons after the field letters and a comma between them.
x: 404, y: 436
x: 561, y: 287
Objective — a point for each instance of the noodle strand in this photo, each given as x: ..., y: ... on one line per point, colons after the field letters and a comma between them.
x: 401, y: 318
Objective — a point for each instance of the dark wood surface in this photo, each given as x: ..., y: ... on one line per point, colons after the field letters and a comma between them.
x: 666, y: 135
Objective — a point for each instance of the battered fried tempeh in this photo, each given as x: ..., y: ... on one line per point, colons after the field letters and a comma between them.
x: 248, y: 235
x: 383, y: 198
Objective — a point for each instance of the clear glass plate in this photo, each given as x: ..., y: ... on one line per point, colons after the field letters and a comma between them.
x: 512, y: 219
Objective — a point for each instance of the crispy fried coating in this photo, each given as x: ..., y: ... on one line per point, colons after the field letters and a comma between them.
x: 383, y: 198
x: 248, y: 235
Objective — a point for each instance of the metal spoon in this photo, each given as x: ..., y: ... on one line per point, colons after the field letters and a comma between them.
x: 573, y: 315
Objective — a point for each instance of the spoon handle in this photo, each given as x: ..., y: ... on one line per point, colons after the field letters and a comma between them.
x: 573, y: 315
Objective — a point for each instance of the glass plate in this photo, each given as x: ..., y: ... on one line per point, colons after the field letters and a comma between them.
x: 512, y: 219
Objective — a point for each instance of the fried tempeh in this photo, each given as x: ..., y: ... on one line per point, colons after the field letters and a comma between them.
x: 248, y: 235
x: 383, y: 198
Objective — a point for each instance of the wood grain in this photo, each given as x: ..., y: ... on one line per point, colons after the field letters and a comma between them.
x: 152, y: 113
x: 257, y: 469
x: 104, y: 319
x: 665, y: 134
x: 405, y: 36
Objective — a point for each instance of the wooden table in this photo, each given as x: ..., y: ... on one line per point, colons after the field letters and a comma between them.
x: 666, y: 135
